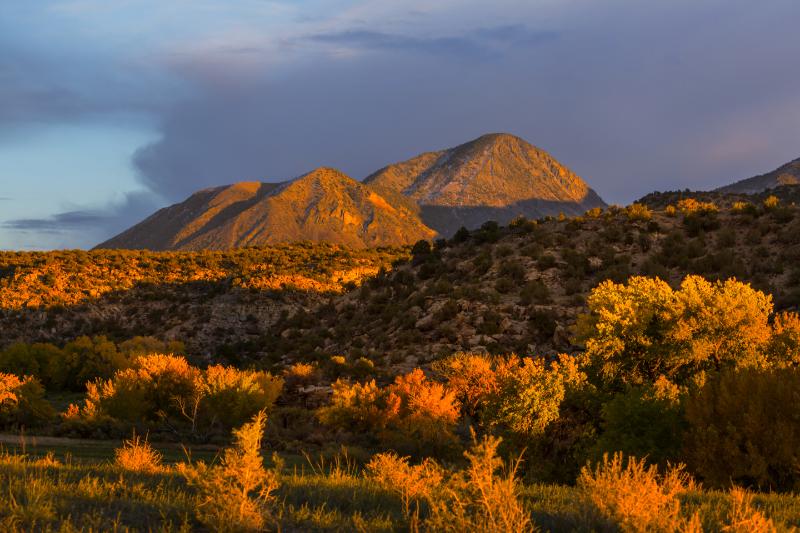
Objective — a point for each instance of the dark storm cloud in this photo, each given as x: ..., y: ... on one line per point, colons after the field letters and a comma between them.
x: 652, y: 101
x: 633, y: 96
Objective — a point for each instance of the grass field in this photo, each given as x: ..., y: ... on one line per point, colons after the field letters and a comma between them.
x: 77, y: 486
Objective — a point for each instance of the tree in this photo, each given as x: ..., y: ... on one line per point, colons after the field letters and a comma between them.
x: 638, y: 331
x: 743, y: 428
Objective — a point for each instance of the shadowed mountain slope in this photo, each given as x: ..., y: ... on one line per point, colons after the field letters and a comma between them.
x: 495, y: 177
x: 788, y: 174
x: 323, y: 205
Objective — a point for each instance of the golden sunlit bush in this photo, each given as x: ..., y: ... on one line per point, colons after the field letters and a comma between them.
x: 301, y: 375
x: 229, y: 397
x: 137, y: 455
x: 743, y: 518
x: 471, y: 376
x: 422, y: 413
x: 640, y: 330
x: 148, y: 392
x: 167, y: 390
x: 631, y: 496
x: 743, y: 428
x: 22, y: 401
x: 412, y: 414
x: 690, y: 205
x: 483, y: 497
x: 529, y: 393
x: 237, y: 493
x: 413, y: 483
x: 784, y: 346
x: 771, y: 202
x: 638, y: 212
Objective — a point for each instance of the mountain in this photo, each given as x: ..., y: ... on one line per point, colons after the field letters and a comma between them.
x: 494, y: 177
x: 788, y: 174
x: 323, y: 205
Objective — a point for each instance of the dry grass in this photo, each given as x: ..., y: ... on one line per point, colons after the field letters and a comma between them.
x: 412, y: 483
x: 743, y: 518
x: 138, y: 456
x: 483, y: 497
x: 631, y: 496
x: 236, y: 494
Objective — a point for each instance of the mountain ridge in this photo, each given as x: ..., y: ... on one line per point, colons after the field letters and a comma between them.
x: 788, y: 174
x: 494, y: 177
x: 322, y: 205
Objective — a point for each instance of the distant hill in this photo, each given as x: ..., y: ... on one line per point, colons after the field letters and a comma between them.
x: 494, y: 177
x: 323, y: 205
x: 788, y: 174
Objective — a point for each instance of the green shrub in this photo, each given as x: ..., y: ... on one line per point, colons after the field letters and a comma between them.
x: 743, y: 428
x: 644, y: 421
x: 528, y: 394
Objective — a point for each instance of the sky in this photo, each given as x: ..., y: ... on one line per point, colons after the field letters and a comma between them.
x: 111, y: 109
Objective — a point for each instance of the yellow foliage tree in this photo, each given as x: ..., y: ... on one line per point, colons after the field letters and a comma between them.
x: 640, y: 330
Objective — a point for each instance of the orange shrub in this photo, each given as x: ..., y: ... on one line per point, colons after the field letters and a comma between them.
x: 413, y: 483
x: 137, y: 455
x: 483, y: 497
x: 422, y: 413
x: 165, y: 389
x: 630, y: 496
x: 690, y: 205
x: 412, y: 414
x: 236, y: 494
x: 22, y: 401
x: 471, y: 376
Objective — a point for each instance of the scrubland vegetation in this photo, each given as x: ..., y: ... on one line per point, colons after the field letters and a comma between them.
x: 653, y: 392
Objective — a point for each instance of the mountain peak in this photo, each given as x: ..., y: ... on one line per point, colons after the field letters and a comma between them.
x: 496, y: 176
x: 322, y: 205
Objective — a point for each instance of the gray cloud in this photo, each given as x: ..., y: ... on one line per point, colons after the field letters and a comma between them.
x: 482, y: 43
x: 87, y: 227
x: 633, y: 97
x: 57, y: 223
x: 633, y: 103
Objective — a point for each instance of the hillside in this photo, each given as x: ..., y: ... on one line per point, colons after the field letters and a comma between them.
x: 324, y: 205
x: 494, y: 177
x: 207, y: 299
x: 520, y: 288
x: 788, y: 174
x: 498, y: 289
